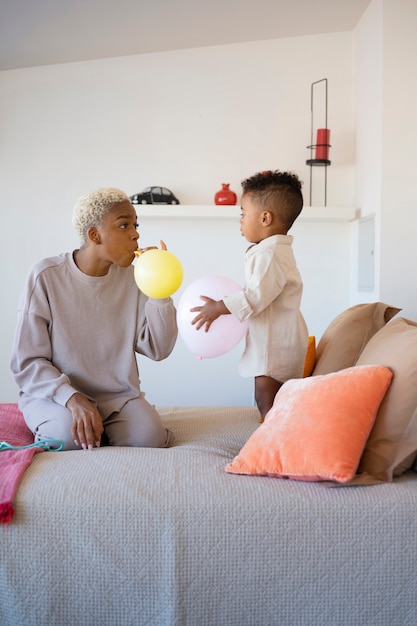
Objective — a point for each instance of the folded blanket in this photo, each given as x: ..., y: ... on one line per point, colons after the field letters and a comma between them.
x: 13, y: 463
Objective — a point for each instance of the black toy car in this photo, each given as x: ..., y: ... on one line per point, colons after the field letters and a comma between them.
x: 154, y: 195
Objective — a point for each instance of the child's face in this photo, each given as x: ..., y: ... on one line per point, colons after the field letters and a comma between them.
x: 119, y: 235
x: 251, y: 221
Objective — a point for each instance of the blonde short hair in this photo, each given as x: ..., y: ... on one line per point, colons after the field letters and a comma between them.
x: 89, y: 210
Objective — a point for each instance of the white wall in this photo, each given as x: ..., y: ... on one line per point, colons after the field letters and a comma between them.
x: 399, y: 159
x: 189, y: 120
x: 368, y: 63
x: 386, y: 103
x: 215, y: 247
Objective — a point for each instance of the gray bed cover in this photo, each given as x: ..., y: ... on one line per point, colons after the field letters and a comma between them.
x: 147, y: 537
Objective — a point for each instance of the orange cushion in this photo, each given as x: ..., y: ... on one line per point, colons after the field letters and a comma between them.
x: 318, y: 426
x: 310, y: 361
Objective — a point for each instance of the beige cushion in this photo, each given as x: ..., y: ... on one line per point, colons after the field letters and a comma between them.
x: 392, y: 445
x: 346, y: 336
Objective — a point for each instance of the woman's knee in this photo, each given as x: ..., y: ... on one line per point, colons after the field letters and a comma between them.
x: 48, y: 420
x: 137, y: 425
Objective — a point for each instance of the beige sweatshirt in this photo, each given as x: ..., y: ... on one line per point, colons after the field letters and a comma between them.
x: 80, y: 333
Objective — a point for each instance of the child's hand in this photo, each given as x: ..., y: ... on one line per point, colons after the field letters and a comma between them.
x: 208, y: 312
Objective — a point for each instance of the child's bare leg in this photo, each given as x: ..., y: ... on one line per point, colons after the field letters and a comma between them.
x: 265, y: 391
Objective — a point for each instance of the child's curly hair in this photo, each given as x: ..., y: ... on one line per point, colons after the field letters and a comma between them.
x: 277, y: 191
x: 89, y: 210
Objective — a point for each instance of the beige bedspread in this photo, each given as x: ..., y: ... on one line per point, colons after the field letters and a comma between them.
x: 146, y: 537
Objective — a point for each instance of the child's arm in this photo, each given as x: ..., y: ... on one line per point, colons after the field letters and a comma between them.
x: 208, y: 312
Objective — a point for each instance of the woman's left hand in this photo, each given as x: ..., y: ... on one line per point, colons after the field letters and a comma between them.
x: 140, y: 251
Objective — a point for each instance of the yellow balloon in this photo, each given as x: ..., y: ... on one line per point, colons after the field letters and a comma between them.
x: 158, y: 273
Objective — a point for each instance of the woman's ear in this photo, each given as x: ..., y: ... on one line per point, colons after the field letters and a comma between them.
x: 93, y: 235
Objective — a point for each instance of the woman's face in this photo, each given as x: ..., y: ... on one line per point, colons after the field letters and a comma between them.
x: 118, y: 234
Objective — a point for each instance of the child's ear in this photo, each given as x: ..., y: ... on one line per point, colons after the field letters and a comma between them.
x: 266, y: 218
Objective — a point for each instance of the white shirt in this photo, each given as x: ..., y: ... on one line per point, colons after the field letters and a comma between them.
x: 276, y: 342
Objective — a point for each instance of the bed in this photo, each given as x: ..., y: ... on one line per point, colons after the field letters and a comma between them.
x: 151, y: 537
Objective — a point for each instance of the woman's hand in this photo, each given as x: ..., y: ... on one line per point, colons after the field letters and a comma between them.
x: 208, y: 312
x: 87, y: 423
x: 140, y: 251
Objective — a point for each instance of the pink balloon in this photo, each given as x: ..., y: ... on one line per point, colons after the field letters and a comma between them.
x: 225, y: 332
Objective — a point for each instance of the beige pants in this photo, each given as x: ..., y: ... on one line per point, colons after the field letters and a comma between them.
x: 137, y: 424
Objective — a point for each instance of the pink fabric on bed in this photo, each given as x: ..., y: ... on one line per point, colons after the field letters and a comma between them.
x: 13, y: 463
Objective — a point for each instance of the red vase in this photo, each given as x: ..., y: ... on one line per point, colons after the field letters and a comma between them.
x: 225, y: 195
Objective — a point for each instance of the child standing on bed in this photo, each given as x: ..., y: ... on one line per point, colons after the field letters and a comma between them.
x: 81, y: 321
x: 276, y: 342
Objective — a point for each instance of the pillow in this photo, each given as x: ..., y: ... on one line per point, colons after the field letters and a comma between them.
x: 392, y: 445
x: 310, y: 360
x: 317, y: 427
x: 347, y: 335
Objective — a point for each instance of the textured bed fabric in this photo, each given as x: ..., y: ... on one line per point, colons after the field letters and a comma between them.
x: 154, y: 537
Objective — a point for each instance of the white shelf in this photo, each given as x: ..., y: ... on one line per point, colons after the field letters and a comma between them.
x: 328, y: 214
x: 185, y: 211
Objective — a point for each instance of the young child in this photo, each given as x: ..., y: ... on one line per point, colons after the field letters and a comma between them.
x: 81, y: 321
x: 276, y: 342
